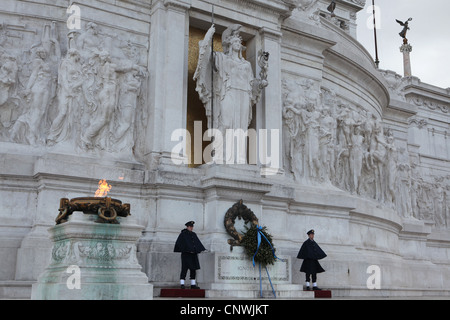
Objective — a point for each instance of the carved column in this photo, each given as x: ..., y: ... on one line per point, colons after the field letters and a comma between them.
x: 168, y: 76
x: 270, y: 109
x: 406, y: 49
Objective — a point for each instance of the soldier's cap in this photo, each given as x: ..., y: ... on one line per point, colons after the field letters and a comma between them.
x: 310, y: 231
x: 189, y: 224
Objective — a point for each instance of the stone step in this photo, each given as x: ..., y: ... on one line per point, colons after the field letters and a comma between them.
x: 252, y: 291
x: 233, y: 291
x: 15, y: 289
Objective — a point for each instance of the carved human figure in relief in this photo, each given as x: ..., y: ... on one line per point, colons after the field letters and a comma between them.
x: 70, y: 82
x: 235, y: 88
x: 126, y: 109
x: 37, y: 93
x: 89, y: 42
x: 8, y: 82
x: 439, y: 208
x: 404, y: 191
x: 8, y: 75
x: 391, y: 168
x: 311, y: 117
x: 327, y: 139
x: 96, y: 133
x: 356, y: 156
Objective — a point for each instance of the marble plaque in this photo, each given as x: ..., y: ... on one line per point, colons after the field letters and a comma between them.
x: 239, y: 268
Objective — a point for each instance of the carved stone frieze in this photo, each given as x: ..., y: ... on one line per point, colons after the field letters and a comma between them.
x: 86, y: 99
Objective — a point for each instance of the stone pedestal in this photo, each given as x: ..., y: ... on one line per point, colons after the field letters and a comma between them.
x: 93, y: 261
x: 235, y: 276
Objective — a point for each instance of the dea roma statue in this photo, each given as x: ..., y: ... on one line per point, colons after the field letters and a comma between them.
x: 226, y: 83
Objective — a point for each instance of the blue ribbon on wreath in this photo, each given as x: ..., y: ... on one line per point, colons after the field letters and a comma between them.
x: 259, y: 238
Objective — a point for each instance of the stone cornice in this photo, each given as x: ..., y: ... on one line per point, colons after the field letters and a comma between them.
x: 430, y: 103
x: 282, y: 8
x: 414, y: 87
x: 182, y: 5
x: 355, y: 3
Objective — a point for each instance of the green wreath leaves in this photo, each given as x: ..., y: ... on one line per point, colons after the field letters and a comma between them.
x: 265, y: 255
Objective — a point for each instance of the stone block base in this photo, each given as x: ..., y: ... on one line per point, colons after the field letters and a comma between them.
x: 93, y: 261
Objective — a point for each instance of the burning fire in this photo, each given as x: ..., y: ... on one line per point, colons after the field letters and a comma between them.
x: 103, y: 188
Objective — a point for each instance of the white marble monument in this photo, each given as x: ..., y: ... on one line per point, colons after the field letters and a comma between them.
x: 100, y: 90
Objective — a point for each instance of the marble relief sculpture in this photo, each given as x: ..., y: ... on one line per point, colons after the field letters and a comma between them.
x: 331, y: 143
x: 29, y: 127
x: 88, y: 99
x: 8, y: 81
x: 85, y: 100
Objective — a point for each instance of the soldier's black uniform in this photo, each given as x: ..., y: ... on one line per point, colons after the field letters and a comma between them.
x: 311, y: 253
x: 189, y: 245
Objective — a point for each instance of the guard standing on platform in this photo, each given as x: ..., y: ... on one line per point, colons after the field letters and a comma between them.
x: 189, y: 245
x: 311, y: 253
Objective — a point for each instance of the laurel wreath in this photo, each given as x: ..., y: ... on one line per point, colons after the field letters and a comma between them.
x: 265, y: 255
x: 249, y: 239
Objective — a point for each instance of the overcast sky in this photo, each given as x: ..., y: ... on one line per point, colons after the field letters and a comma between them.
x: 429, y: 36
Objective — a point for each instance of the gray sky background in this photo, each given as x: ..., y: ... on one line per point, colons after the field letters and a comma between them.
x: 429, y: 36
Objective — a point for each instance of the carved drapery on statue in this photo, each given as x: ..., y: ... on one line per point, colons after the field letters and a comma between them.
x: 86, y: 100
x: 228, y: 100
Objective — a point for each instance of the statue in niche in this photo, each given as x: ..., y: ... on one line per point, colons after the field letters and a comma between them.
x: 235, y: 89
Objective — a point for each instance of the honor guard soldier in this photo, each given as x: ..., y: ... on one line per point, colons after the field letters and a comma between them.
x: 189, y: 245
x: 310, y: 252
